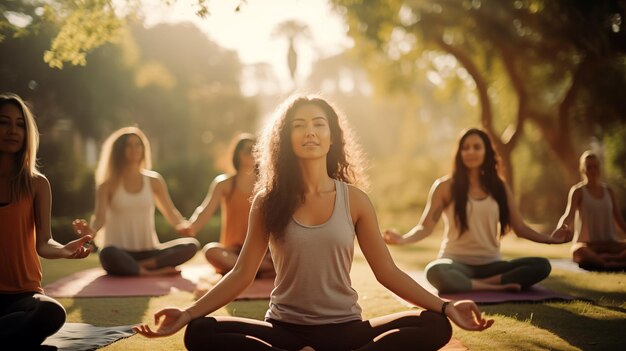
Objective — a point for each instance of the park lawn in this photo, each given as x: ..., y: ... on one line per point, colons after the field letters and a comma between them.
x: 594, y: 324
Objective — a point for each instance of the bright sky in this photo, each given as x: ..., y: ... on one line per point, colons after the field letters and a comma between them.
x: 249, y: 31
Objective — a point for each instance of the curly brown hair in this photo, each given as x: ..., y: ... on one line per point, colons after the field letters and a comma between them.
x: 280, y: 183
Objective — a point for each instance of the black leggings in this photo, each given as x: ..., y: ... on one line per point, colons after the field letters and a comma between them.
x: 27, y: 319
x: 170, y: 254
x: 449, y: 276
x: 409, y: 330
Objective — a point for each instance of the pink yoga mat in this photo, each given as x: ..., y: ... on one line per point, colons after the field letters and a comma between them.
x: 96, y: 283
x: 534, y: 294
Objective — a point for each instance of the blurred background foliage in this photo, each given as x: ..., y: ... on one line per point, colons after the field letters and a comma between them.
x: 546, y: 79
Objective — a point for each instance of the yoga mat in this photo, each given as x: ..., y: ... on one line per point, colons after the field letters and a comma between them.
x: 82, y: 336
x: 534, y: 294
x: 96, y: 283
x: 566, y: 264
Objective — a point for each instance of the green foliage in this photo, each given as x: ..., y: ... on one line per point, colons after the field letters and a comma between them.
x: 615, y: 164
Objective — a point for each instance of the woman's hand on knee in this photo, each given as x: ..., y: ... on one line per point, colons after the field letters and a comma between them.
x: 167, y: 322
x: 467, y: 315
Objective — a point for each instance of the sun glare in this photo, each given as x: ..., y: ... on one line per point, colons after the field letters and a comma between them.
x: 249, y: 32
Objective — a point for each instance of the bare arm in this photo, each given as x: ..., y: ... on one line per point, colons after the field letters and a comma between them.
x: 170, y: 320
x: 573, y: 204
x: 616, y: 213
x: 437, y: 200
x: 210, y: 204
x: 560, y: 235
x: 47, y: 247
x: 164, y: 201
x: 463, y: 313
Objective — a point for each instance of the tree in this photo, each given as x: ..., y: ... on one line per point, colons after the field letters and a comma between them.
x: 293, y: 31
x: 554, y: 55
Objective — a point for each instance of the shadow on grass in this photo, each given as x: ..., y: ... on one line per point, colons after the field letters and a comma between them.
x: 606, y: 297
x: 581, y: 330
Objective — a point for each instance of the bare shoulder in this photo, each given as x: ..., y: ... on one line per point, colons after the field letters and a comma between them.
x: 358, y: 199
x: 443, y: 184
x: 577, y: 187
x: 223, y: 178
x: 152, y: 175
x: 40, y: 183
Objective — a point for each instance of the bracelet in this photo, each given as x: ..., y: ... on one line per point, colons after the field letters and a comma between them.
x: 444, y: 306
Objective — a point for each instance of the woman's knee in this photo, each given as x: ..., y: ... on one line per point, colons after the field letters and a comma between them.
x: 113, y: 262
x: 542, y: 267
x: 199, y: 332
x: 47, y: 319
x: 441, y: 327
x: 438, y: 275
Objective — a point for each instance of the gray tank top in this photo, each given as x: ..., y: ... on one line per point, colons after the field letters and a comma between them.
x: 313, y: 284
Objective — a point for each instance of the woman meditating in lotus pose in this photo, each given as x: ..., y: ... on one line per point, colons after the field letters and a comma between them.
x: 597, y: 246
x: 308, y: 211
x: 233, y: 195
x: 126, y: 194
x: 27, y: 315
x: 478, y: 208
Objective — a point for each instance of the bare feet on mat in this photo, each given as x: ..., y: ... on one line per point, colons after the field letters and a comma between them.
x: 481, y: 285
x: 158, y: 271
x: 205, y: 284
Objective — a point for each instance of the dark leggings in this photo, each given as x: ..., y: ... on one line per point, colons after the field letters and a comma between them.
x: 409, y: 330
x: 27, y: 319
x: 450, y: 276
x: 126, y: 263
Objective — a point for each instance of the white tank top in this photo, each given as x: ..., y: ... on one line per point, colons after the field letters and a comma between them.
x: 313, y: 264
x: 480, y: 243
x: 595, y: 217
x: 130, y: 219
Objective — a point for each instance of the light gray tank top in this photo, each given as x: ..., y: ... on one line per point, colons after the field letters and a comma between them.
x: 480, y: 243
x: 313, y: 263
x: 596, y: 222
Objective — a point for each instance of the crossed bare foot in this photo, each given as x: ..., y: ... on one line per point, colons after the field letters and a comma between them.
x: 158, y: 271
x: 478, y: 284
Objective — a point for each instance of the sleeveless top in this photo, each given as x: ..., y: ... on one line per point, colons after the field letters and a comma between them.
x: 235, y: 226
x: 312, y: 284
x: 20, y: 269
x: 479, y: 244
x: 595, y: 217
x: 130, y: 219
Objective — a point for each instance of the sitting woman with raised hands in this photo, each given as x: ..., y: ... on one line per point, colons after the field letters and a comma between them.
x: 308, y: 211
x: 478, y: 208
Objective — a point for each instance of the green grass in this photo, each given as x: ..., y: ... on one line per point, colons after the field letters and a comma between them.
x: 597, y: 324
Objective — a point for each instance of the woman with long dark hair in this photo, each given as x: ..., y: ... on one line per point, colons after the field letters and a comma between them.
x: 309, y: 212
x: 478, y: 208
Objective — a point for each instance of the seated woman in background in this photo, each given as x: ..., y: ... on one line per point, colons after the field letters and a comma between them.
x: 597, y: 246
x: 127, y: 191
x: 233, y: 195
x: 478, y: 208
x: 27, y: 316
